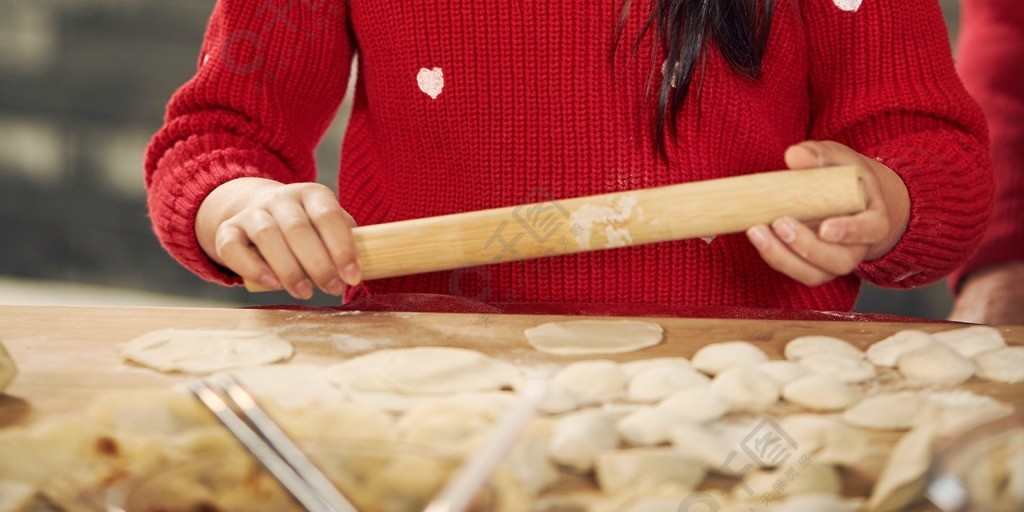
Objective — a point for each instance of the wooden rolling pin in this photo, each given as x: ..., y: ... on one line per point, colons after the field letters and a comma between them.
x: 621, y: 219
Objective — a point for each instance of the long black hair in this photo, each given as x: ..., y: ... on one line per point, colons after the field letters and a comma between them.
x: 684, y: 28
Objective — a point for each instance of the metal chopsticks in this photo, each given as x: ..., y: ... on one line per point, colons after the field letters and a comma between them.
x: 271, y: 447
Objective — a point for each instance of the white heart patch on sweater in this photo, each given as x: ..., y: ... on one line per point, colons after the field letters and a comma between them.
x: 431, y: 81
x: 848, y: 5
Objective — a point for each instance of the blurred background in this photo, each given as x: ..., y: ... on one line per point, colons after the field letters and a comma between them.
x: 83, y: 85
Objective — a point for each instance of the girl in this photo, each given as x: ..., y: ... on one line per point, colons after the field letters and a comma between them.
x: 467, y: 105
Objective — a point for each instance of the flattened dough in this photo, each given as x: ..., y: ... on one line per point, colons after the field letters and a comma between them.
x: 935, y: 364
x: 717, y: 357
x: 201, y: 351
x: 804, y: 346
x: 423, y: 371
x: 887, y: 352
x: 588, y: 337
x: 1001, y: 365
x: 971, y: 341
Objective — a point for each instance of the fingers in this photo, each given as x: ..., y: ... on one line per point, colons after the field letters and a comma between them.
x: 834, y: 259
x: 305, y: 245
x: 777, y: 254
x: 821, y: 153
x: 268, y: 236
x: 334, y: 227
x: 237, y: 253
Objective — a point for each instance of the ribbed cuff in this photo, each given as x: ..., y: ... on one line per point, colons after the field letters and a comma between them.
x: 997, y: 248
x: 950, y: 201
x: 186, y: 175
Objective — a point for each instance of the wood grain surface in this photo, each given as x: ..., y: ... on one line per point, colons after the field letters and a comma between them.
x: 68, y: 355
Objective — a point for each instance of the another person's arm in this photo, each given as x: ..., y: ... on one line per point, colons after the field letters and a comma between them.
x: 886, y: 97
x: 232, y: 169
x: 990, y: 59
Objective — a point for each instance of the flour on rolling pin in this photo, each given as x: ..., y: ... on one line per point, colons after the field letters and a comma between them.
x: 588, y: 216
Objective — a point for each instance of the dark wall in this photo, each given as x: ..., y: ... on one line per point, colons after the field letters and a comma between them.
x: 83, y: 86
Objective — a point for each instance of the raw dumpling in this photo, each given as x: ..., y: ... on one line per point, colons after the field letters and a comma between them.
x: 1001, y: 365
x: 805, y: 346
x: 886, y: 411
x: 588, y: 337
x: 623, y: 470
x: 699, y: 405
x: 201, y: 351
x: 652, y: 425
x: 902, y: 480
x: 749, y: 389
x: 954, y: 412
x: 888, y: 351
x: 935, y: 364
x: 7, y: 369
x: 658, y: 382
x: 634, y: 368
x: 592, y: 382
x: 579, y: 438
x: 846, y: 369
x: 971, y: 341
x: 717, y: 357
x: 821, y: 392
x: 783, y: 372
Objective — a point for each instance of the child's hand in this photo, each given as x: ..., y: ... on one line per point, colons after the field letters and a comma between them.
x: 840, y: 243
x: 280, y: 235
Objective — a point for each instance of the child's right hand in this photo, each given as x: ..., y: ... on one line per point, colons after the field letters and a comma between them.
x: 279, y: 235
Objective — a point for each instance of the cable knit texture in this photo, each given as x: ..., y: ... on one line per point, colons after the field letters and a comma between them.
x: 465, y: 105
x: 991, y: 61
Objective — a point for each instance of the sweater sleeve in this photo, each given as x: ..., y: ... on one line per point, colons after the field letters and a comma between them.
x: 883, y: 83
x: 991, y: 63
x: 271, y: 76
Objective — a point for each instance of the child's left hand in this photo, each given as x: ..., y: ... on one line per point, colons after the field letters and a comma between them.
x: 840, y: 243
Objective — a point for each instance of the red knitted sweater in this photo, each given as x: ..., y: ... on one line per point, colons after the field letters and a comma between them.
x: 466, y: 105
x: 991, y: 62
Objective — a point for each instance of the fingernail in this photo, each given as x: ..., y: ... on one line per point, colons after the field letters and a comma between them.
x: 757, y: 237
x: 335, y: 287
x: 784, y: 228
x: 832, y: 232
x: 304, y: 289
x: 270, y: 281
x: 350, y: 274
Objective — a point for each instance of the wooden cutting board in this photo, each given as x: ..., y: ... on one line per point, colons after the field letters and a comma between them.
x: 67, y: 355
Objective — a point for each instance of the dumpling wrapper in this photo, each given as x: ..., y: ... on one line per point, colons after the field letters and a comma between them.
x: 423, y: 371
x: 202, y: 351
x: 588, y: 337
